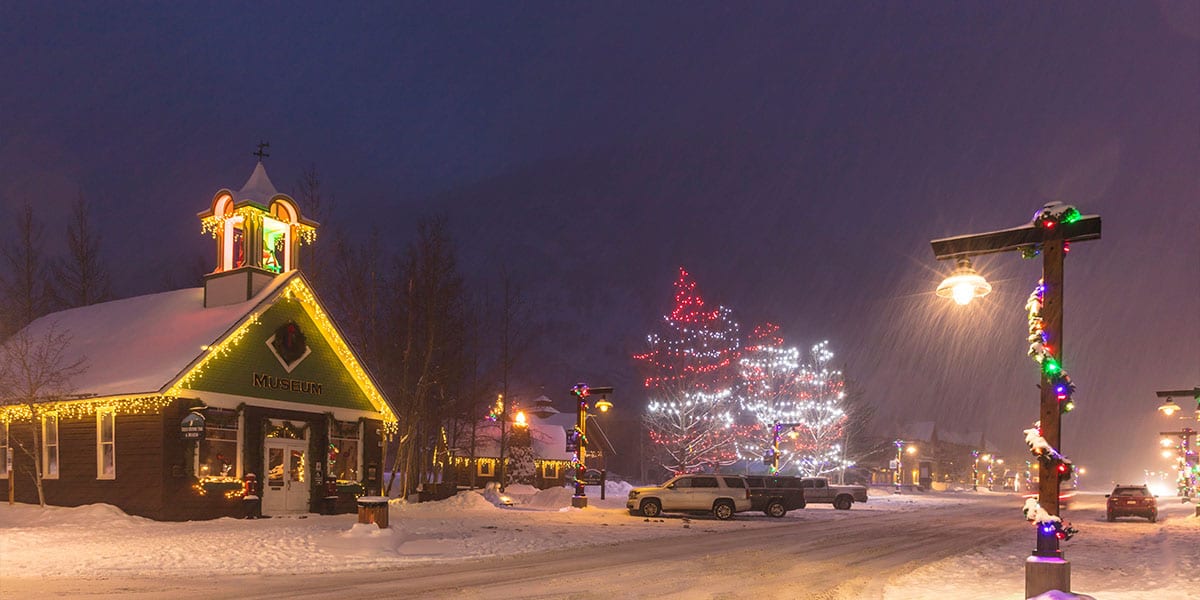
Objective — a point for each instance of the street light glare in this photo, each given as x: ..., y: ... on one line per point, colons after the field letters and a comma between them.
x: 964, y: 284
x: 963, y: 293
x: 1169, y: 407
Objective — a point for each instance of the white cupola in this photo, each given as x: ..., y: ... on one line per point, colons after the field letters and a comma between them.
x: 259, y: 232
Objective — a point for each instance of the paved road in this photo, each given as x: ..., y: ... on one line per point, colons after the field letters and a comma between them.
x: 851, y: 557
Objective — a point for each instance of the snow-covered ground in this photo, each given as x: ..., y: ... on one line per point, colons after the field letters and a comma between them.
x: 1127, y: 559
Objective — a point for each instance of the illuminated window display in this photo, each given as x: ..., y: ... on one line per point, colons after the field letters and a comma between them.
x: 218, y: 451
x: 343, y: 451
x: 275, y: 246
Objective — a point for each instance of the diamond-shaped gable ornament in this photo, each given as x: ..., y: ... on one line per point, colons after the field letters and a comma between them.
x: 289, y: 345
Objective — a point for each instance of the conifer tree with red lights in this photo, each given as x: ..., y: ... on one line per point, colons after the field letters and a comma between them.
x: 690, y: 372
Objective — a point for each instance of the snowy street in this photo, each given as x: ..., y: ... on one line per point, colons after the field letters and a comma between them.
x: 895, y: 547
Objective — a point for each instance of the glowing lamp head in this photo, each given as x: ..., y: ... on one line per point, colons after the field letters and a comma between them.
x: 1168, y: 454
x: 520, y: 420
x: 1169, y: 407
x: 964, y: 284
x: 911, y: 449
x: 603, y: 405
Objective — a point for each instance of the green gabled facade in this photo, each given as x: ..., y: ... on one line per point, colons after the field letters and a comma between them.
x: 251, y: 368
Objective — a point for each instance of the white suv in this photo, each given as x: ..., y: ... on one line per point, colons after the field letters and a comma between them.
x: 723, y: 495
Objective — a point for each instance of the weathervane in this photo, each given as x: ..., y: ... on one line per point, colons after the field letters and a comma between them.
x: 260, y: 154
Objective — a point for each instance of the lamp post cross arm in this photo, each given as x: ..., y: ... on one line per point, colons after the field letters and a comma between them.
x: 1005, y: 240
x: 1195, y: 392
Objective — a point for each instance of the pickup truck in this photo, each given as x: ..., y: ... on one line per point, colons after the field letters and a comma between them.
x: 817, y: 490
x: 775, y: 495
x: 723, y: 495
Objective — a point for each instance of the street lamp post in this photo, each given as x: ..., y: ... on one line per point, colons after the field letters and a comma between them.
x: 777, y: 429
x: 581, y: 391
x: 975, y: 471
x: 1188, y: 458
x: 1049, y: 234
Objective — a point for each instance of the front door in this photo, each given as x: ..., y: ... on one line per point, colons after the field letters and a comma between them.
x: 286, y: 487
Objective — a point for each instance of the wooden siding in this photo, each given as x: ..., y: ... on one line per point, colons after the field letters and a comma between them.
x: 155, y: 465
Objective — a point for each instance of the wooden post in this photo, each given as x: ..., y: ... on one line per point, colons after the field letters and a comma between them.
x: 1051, y: 413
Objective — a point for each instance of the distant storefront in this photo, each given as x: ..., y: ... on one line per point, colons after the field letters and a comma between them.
x: 544, y: 430
x: 193, y: 399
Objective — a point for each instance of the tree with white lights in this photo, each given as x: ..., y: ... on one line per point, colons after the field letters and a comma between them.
x: 771, y: 395
x: 690, y: 373
x: 820, y: 414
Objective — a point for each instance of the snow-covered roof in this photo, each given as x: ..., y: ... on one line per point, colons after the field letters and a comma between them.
x: 258, y: 188
x: 139, y: 345
x: 545, y: 405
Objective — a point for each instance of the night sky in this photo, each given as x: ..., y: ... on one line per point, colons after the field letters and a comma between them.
x: 797, y: 159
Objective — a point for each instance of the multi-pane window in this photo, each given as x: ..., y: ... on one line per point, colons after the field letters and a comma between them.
x: 106, y: 447
x: 218, y: 450
x: 5, y: 466
x: 343, y: 450
x: 549, y: 470
x: 50, y: 446
x: 486, y: 468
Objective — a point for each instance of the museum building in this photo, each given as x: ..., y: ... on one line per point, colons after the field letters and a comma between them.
x: 200, y: 403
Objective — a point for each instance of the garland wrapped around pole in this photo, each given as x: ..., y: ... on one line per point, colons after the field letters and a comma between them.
x: 1064, y: 469
x: 1043, y: 353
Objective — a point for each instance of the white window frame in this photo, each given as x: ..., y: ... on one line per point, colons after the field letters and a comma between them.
x: 486, y: 468
x: 46, y: 444
x: 241, y: 431
x: 100, y: 416
x: 4, y: 466
x: 546, y: 466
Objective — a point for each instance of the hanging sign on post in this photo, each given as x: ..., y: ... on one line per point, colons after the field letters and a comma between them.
x: 191, y: 427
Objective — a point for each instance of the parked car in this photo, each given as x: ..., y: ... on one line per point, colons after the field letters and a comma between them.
x: 775, y: 495
x: 1132, y: 501
x: 818, y: 490
x: 723, y: 495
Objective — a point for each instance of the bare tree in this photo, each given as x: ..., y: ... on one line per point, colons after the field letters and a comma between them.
x: 82, y: 278
x: 317, y: 205
x: 511, y: 334
x: 24, y: 294
x: 34, y: 371
x: 356, y: 292
x: 428, y: 361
